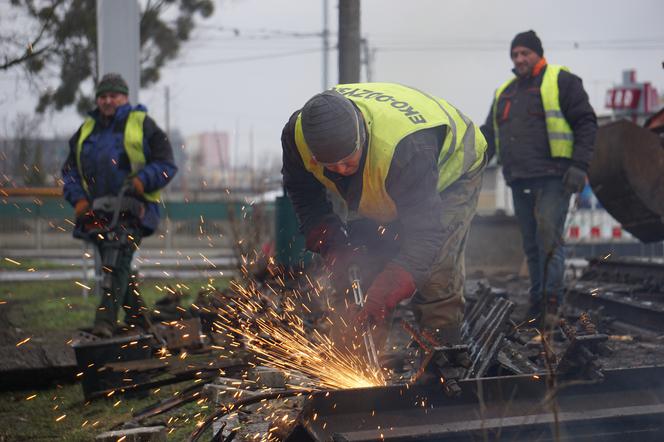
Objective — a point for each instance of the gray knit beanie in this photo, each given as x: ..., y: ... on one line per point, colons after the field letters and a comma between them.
x: 331, y: 126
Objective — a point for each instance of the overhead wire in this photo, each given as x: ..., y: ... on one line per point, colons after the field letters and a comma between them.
x: 245, y: 35
x: 247, y: 58
x: 491, y: 46
x: 260, y: 33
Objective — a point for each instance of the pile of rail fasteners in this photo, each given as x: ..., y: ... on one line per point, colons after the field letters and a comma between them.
x: 626, y: 292
x: 267, y: 371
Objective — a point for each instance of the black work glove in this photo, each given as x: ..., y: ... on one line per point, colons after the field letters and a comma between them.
x: 326, y: 236
x: 574, y: 179
x: 330, y: 240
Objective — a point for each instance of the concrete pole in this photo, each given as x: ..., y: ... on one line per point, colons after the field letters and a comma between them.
x: 326, y: 46
x: 367, y: 60
x: 118, y: 41
x: 167, y: 99
x: 349, y: 41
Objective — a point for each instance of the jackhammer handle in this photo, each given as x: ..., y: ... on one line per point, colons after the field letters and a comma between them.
x: 126, y: 187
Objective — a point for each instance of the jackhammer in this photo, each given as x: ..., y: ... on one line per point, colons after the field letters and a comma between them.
x: 110, y: 236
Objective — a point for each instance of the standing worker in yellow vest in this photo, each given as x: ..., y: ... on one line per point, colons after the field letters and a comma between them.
x: 542, y: 128
x: 118, y: 159
x: 408, y: 167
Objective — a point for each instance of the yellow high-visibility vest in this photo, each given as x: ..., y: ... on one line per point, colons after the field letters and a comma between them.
x: 392, y: 112
x: 561, y: 137
x: 133, y: 144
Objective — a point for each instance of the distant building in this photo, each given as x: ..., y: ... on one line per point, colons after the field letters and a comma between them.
x: 208, y: 159
x: 38, y: 161
x: 180, y: 156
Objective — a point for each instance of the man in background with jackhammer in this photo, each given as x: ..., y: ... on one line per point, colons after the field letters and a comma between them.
x: 119, y: 160
x: 542, y: 128
x: 408, y: 167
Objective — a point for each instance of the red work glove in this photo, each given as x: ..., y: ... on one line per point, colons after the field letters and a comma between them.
x: 139, y: 188
x: 81, y: 208
x: 391, y: 286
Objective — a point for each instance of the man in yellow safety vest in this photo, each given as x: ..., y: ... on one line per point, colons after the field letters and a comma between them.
x: 407, y: 169
x: 119, y: 160
x: 541, y: 127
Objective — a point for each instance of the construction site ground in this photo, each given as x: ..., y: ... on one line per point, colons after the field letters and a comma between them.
x: 38, y: 316
x: 48, y: 314
x: 628, y: 348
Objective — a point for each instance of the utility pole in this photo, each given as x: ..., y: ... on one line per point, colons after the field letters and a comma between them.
x: 349, y: 41
x: 167, y: 93
x: 236, y: 153
x: 326, y: 46
x: 167, y: 104
x: 119, y: 51
x: 367, y: 60
x: 251, y: 159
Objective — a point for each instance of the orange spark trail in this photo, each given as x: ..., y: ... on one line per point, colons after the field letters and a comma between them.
x: 280, y: 340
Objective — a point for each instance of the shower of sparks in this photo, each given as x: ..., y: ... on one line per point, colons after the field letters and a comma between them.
x: 280, y: 340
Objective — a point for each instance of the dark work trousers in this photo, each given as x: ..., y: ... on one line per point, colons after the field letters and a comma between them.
x: 439, y: 303
x: 123, y: 293
x: 540, y: 206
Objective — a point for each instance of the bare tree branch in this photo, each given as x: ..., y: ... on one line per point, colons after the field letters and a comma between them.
x: 30, y: 52
x: 67, y: 40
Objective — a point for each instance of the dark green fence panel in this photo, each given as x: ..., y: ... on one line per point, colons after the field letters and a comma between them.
x: 289, y: 241
x: 177, y: 211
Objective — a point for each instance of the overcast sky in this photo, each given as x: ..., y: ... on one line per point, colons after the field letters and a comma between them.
x: 457, y: 50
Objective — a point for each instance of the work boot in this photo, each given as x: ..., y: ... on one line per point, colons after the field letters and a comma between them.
x: 551, y: 316
x: 103, y: 330
x: 534, y: 313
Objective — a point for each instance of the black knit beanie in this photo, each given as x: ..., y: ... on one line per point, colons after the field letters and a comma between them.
x: 331, y: 127
x: 112, y: 83
x: 529, y: 40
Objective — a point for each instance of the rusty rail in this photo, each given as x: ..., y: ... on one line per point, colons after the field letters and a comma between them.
x: 627, y: 406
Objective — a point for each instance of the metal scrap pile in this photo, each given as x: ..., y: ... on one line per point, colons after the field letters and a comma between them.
x: 629, y: 292
x: 272, y: 374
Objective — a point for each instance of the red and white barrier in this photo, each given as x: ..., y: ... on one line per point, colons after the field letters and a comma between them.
x: 594, y: 225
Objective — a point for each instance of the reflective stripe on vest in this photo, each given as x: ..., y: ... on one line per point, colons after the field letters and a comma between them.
x: 133, y: 144
x: 392, y: 112
x: 559, y: 132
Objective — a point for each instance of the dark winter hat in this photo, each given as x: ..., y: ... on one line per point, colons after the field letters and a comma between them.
x: 331, y: 126
x: 112, y: 83
x: 529, y: 40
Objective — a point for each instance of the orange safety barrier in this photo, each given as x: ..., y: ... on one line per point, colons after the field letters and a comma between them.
x: 31, y: 191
